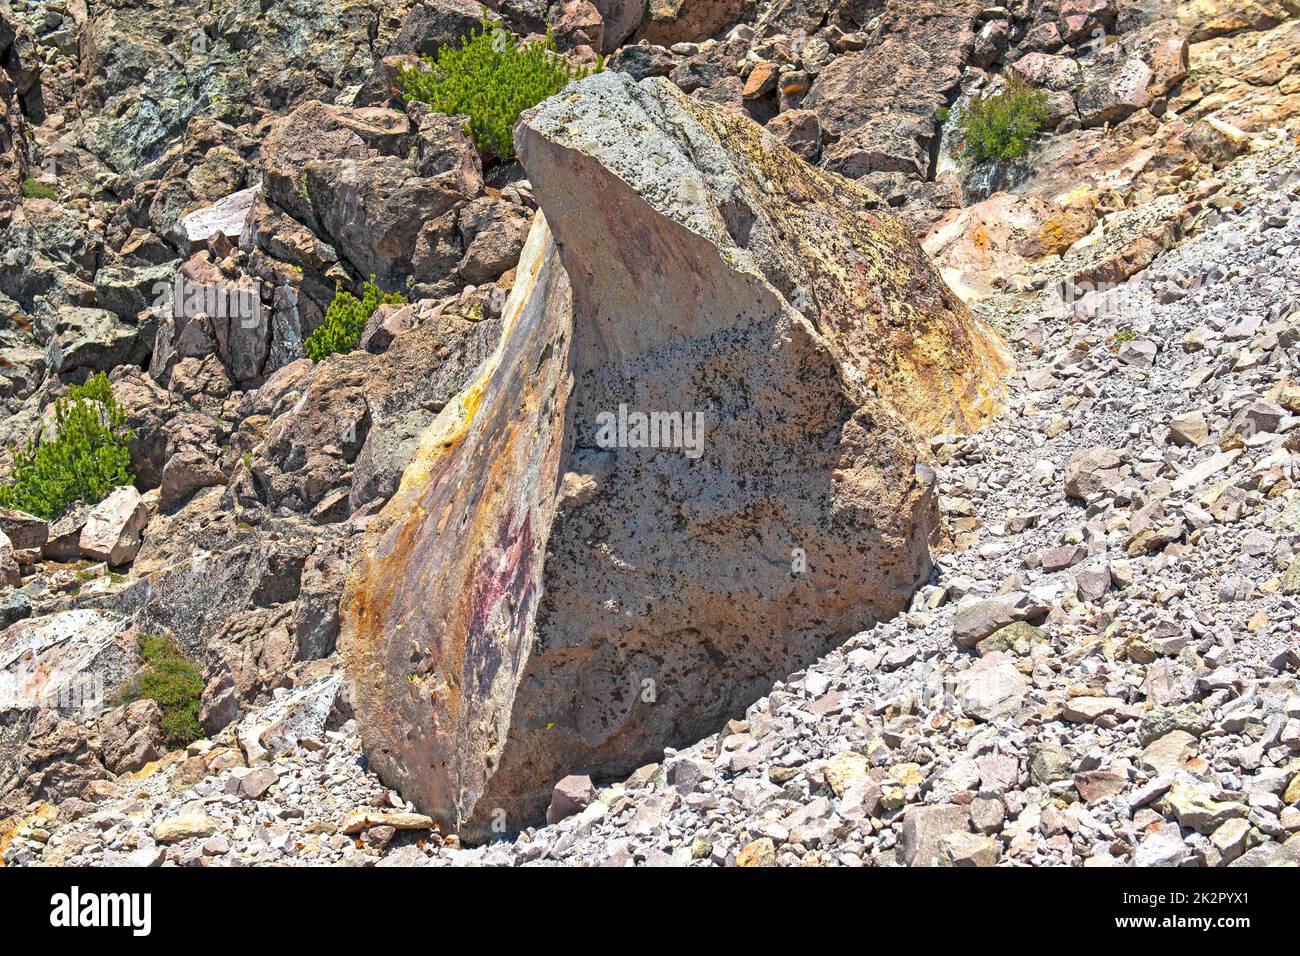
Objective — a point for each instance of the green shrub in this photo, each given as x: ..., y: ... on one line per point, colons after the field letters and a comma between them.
x: 172, y: 680
x: 35, y: 189
x: 491, y: 79
x: 84, y: 457
x: 1000, y: 126
x: 346, y: 319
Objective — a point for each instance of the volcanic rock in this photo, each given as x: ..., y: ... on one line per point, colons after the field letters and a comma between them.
x: 547, y: 592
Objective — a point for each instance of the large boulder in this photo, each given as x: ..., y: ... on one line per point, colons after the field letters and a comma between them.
x: 552, y: 591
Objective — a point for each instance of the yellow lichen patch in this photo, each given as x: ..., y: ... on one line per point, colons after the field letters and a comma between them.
x: 153, y: 766
x: 454, y: 421
x: 1053, y: 236
x: 42, y: 814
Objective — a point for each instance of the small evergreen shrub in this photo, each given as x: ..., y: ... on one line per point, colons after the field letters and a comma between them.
x: 1000, y: 126
x: 84, y: 458
x: 172, y: 680
x: 35, y: 189
x: 346, y: 319
x: 491, y: 79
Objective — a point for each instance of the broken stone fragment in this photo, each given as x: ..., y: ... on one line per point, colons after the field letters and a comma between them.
x: 23, y: 530
x: 186, y: 825
x: 218, y: 226
x: 300, y: 713
x: 353, y: 823
x: 924, y: 829
x: 10, y: 573
x: 131, y: 736
x: 113, y: 527
x: 976, y: 620
x: 991, y: 688
x: 1092, y: 471
x: 571, y: 795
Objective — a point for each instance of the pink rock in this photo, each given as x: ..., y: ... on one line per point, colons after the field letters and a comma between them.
x: 571, y: 795
x: 112, y: 532
x: 9, y: 573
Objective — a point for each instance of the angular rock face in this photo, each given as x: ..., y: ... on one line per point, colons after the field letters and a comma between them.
x: 64, y: 663
x: 368, y: 180
x: 547, y: 593
x: 436, y: 690
x: 13, y: 141
x: 343, y: 435
x: 1127, y: 76
x: 827, y: 247
x: 878, y: 104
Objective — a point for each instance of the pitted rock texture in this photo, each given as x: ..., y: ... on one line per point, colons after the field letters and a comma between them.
x: 535, y: 602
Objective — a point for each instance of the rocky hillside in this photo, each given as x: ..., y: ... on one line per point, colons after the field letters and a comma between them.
x: 986, y: 551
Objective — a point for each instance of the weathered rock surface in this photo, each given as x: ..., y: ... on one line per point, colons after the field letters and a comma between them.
x: 68, y: 662
x: 131, y: 736
x: 113, y: 527
x: 690, y: 242
x: 343, y: 433
x: 369, y: 181
x: 878, y: 104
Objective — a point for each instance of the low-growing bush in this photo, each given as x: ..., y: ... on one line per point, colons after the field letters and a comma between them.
x: 492, y: 78
x: 346, y: 319
x: 81, y: 456
x: 1000, y: 126
x: 172, y: 680
x: 35, y: 189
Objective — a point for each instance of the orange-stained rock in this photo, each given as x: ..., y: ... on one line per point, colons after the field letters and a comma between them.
x: 761, y: 80
x: 536, y: 600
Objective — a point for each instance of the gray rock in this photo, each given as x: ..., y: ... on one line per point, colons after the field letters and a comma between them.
x: 1049, y: 762
x: 1162, y: 846
x: 924, y: 829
